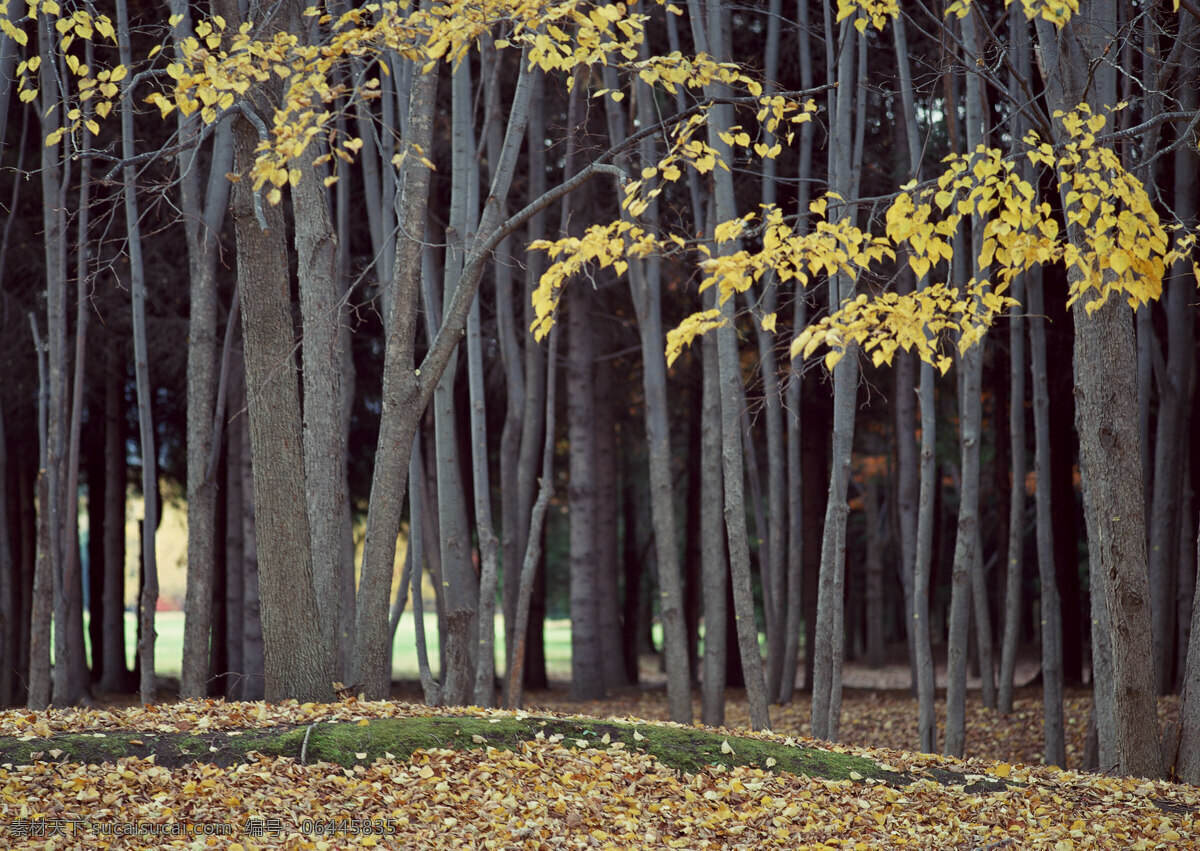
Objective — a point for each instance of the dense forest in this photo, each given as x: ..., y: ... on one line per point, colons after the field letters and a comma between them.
x: 800, y: 331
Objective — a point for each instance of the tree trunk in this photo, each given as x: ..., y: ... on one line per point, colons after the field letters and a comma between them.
x: 235, y: 554
x: 253, y: 649
x: 485, y: 667
x: 298, y: 662
x: 1187, y: 763
x: 113, y: 674
x: 323, y: 314
x: 587, y: 669
x: 141, y: 369
x: 1051, y: 625
x: 714, y: 563
x: 1106, y: 417
x: 516, y: 679
x: 794, y: 606
x: 460, y: 585
x: 9, y: 612
x: 608, y: 592
x: 645, y: 283
x: 416, y: 542
x: 47, y: 580
x: 875, y: 518
x: 203, y: 211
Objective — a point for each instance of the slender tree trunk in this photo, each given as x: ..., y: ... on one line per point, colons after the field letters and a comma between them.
x: 645, y: 281
x: 794, y: 605
x: 773, y: 566
x: 708, y: 32
x: 485, y: 668
x: 608, y: 590
x: 714, y: 569
x: 1020, y: 59
x: 55, y: 179
x: 9, y: 613
x: 416, y: 543
x: 235, y: 558
x: 141, y: 369
x: 203, y: 211
x: 1187, y: 764
x: 459, y: 582
x: 533, y: 409
x: 516, y: 679
x: 253, y: 648
x: 875, y: 517
x: 113, y: 670
x: 829, y: 650
x: 1051, y: 625
x: 72, y: 647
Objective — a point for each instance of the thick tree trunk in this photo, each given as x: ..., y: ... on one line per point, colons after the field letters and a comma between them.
x: 1106, y: 419
x: 323, y: 316
x: 298, y: 662
x: 587, y: 669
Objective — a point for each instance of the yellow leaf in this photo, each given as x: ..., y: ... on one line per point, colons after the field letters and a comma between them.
x: 831, y: 359
x: 768, y: 322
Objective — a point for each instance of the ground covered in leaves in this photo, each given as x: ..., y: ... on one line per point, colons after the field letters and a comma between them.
x: 203, y: 774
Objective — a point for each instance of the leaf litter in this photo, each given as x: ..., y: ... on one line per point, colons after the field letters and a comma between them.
x: 541, y: 779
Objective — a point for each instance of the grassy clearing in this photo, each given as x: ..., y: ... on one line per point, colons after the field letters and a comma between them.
x: 168, y: 648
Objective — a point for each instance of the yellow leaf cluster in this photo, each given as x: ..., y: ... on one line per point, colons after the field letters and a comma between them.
x: 601, y: 245
x: 1123, y: 248
x: 95, y: 92
x: 1117, y: 245
x: 1057, y: 12
x: 870, y: 12
x: 689, y: 329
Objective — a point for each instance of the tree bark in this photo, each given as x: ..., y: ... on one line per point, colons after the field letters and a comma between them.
x: 235, y: 559
x: 298, y: 663
x: 323, y: 315
x: 1106, y: 419
x: 202, y: 213
x: 1051, y: 625
x: 645, y: 283
x: 829, y: 650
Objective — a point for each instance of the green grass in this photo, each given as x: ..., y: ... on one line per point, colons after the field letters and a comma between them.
x: 168, y: 646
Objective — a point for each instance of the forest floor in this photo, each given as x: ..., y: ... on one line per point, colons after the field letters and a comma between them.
x: 395, y: 774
